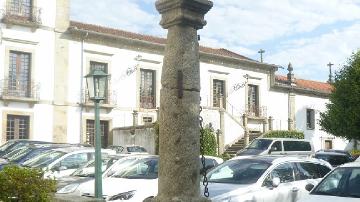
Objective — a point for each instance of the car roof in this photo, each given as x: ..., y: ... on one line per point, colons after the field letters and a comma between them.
x: 276, y: 159
x: 287, y: 139
x: 73, y: 149
x: 330, y: 153
x: 351, y: 165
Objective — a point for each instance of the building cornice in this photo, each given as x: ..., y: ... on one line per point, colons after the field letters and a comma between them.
x: 303, y: 91
x: 159, y: 48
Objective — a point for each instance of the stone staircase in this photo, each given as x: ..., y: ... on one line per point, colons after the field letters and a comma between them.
x: 240, y: 144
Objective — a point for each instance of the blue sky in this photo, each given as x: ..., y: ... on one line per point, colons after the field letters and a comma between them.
x: 307, y: 33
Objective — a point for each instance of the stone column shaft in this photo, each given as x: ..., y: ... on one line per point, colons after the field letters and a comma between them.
x: 179, y: 138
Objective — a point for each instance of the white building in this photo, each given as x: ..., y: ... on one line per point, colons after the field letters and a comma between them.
x: 44, y: 57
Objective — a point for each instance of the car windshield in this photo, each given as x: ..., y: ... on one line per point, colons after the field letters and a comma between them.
x: 241, y: 171
x: 22, y: 152
x: 260, y: 144
x: 117, y: 169
x: 5, y: 146
x: 14, y: 153
x: 343, y: 182
x: 44, y: 160
x: 88, y: 170
x: 334, y: 160
x: 142, y: 169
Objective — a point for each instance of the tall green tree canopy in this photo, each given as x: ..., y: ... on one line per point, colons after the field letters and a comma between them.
x: 342, y: 117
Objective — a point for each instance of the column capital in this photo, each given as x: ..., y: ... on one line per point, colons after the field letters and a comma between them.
x: 183, y: 12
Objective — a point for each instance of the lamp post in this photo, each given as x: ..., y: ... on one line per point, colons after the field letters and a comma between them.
x: 96, y: 82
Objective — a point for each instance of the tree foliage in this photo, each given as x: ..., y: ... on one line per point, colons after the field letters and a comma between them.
x: 210, y: 145
x: 342, y: 115
x: 285, y: 134
x: 25, y: 184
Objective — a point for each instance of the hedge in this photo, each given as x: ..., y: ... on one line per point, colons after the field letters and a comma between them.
x: 25, y: 185
x: 284, y: 134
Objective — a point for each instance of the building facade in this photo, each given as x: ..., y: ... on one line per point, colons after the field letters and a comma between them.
x: 44, y: 57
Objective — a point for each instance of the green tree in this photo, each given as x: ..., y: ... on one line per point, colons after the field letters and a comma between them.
x: 342, y: 117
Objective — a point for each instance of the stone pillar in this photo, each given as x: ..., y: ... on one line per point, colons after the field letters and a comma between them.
x: 179, y: 137
x: 61, y: 71
x: 270, y: 123
x: 265, y: 127
x: 246, y: 135
x: 222, y: 131
x: 291, y: 111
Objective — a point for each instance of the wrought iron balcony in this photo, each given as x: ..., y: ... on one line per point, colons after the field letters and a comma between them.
x: 147, y: 102
x: 110, y: 98
x: 19, y: 89
x: 22, y: 14
x: 256, y: 111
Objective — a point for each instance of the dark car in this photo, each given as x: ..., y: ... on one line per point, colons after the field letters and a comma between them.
x: 16, y: 144
x: 334, y: 158
x: 25, y: 153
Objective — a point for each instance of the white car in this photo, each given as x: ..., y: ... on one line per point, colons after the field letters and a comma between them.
x: 133, y: 184
x: 62, y: 162
x: 265, y: 178
x: 341, y: 185
x: 78, y: 188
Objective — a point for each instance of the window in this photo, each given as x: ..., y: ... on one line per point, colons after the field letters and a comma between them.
x: 74, y: 161
x: 21, y: 8
x: 284, y: 171
x: 276, y: 146
x: 147, y: 89
x: 310, y: 119
x: 253, y: 100
x: 328, y: 144
x: 311, y: 171
x: 18, y: 83
x: 297, y: 146
x: 147, y: 119
x: 17, y: 127
x: 90, y: 132
x: 219, y: 96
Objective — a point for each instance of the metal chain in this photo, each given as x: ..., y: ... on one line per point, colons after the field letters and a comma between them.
x: 202, y: 151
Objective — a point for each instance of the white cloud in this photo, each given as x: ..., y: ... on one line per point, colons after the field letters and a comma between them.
x: 309, y: 56
x: 124, y: 14
x: 253, y: 22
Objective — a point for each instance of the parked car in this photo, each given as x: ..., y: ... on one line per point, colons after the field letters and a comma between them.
x: 128, y: 149
x: 265, y: 178
x: 277, y: 146
x: 63, y: 161
x: 338, y: 151
x: 133, y: 177
x: 15, y: 144
x: 78, y: 188
x: 135, y: 183
x: 25, y: 153
x: 334, y: 158
x: 341, y: 185
x: 87, y: 172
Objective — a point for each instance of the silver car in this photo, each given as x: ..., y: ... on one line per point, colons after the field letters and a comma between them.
x: 265, y: 178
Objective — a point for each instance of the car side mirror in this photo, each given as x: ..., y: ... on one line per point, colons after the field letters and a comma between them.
x: 275, y: 182
x: 309, y: 187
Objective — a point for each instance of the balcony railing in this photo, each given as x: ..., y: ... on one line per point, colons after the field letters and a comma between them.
x: 110, y: 98
x: 147, y: 102
x: 13, y: 88
x: 22, y: 14
x: 256, y: 111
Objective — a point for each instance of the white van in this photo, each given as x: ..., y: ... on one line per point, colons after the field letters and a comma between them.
x: 277, y: 146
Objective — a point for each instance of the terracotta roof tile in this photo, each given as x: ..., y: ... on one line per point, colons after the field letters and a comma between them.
x: 307, y: 84
x: 148, y: 38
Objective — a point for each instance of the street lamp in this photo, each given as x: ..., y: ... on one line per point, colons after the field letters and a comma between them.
x: 96, y: 84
